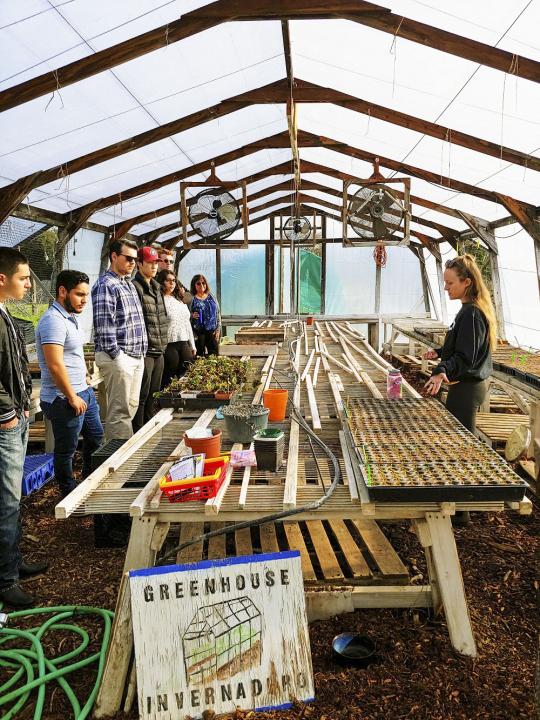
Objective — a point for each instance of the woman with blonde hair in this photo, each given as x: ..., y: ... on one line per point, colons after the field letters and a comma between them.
x: 466, y: 354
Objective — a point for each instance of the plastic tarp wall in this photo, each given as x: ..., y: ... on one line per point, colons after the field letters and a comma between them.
x: 519, y: 287
x: 242, y: 281
x: 198, y: 261
x: 350, y: 280
x: 286, y: 278
x: 401, y: 283
x: 83, y: 252
x: 310, y: 282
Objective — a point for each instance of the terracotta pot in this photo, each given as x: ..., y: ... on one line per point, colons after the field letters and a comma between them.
x: 210, y: 446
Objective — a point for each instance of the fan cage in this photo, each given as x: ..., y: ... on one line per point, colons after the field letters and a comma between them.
x: 213, y: 187
x: 298, y: 229
x: 376, y: 205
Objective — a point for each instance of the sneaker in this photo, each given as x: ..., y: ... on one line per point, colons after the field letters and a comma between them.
x: 29, y: 569
x: 16, y: 597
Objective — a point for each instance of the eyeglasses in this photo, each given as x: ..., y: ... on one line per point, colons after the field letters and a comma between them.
x: 129, y: 258
x: 168, y: 261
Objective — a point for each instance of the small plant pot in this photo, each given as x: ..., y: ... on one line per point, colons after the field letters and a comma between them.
x: 309, y: 320
x: 210, y: 446
x: 269, y: 447
x: 242, y: 426
x: 223, y: 395
x: 276, y: 400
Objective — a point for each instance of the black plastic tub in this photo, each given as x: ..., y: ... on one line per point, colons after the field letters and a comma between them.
x: 353, y: 649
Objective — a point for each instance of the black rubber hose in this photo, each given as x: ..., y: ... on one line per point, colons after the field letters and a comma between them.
x: 315, y: 505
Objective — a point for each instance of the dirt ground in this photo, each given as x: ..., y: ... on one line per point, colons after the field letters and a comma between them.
x: 417, y: 675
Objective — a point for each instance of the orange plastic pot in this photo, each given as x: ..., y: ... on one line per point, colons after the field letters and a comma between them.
x: 210, y: 446
x: 276, y: 401
x: 309, y: 320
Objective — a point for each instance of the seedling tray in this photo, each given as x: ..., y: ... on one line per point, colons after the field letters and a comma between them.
x: 415, y: 451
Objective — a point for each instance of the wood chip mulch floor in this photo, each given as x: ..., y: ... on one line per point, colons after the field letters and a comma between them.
x: 417, y: 674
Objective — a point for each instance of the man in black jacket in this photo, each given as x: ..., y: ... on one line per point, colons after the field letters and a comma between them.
x: 15, y: 393
x: 156, y: 321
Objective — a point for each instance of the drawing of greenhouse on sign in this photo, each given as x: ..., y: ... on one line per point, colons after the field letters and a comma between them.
x: 222, y: 640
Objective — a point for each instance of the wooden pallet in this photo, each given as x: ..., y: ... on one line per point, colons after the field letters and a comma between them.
x: 36, y: 432
x: 495, y: 428
x: 336, y: 551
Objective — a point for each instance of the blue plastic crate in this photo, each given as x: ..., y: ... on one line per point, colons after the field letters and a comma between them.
x: 37, y: 470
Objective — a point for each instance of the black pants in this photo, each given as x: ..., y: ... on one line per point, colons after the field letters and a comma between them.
x: 151, y: 382
x: 177, y: 358
x: 463, y: 401
x: 206, y: 339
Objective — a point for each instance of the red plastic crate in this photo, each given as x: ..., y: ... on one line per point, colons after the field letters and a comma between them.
x: 197, y: 488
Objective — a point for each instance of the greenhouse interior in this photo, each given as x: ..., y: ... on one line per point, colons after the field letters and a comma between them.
x: 270, y: 289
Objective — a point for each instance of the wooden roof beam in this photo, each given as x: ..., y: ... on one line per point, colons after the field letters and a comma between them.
x: 11, y: 195
x: 276, y: 141
x: 306, y: 139
x: 208, y: 16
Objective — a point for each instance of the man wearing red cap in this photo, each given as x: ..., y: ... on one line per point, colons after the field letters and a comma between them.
x: 156, y: 322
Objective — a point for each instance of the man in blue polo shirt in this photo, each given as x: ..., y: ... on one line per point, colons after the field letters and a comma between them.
x: 67, y: 400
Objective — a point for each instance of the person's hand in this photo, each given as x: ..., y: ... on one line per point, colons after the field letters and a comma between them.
x: 78, y: 404
x: 9, y: 424
x: 434, y: 383
x: 193, y: 353
x: 430, y: 355
x: 27, y: 414
x: 195, y: 315
x: 89, y: 381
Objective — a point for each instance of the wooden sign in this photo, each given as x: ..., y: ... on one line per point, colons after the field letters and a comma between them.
x: 221, y: 634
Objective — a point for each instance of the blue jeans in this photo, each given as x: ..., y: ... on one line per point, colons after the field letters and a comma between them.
x: 12, y: 451
x: 66, y: 428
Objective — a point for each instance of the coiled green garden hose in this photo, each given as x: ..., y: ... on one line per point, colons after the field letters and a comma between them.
x: 30, y: 663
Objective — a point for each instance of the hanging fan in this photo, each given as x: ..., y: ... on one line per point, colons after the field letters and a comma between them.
x: 297, y: 228
x: 377, y: 209
x: 214, y: 214
x: 375, y: 212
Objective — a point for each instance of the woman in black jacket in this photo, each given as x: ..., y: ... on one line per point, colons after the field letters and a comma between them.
x: 466, y: 354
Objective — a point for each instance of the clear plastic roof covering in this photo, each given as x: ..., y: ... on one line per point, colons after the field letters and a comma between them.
x: 231, y: 58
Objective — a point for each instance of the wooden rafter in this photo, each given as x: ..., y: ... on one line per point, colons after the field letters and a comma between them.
x: 13, y: 194
x: 278, y: 92
x: 369, y: 14
x: 292, y: 114
x: 306, y: 139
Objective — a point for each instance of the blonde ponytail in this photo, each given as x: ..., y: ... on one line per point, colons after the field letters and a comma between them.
x: 477, y: 293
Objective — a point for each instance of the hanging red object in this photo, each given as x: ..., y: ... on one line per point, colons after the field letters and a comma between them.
x: 380, y: 256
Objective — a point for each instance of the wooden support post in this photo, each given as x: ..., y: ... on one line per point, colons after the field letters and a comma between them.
x: 269, y: 278
x: 323, y: 266
x: 442, y: 297
x: 450, y: 583
x: 424, y: 279
x: 291, y: 478
x: 497, y: 292
x: 218, y: 275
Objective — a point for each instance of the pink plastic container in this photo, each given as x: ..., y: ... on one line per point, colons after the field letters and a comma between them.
x: 394, y: 382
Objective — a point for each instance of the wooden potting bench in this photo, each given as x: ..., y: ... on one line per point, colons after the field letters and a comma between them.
x: 347, y: 560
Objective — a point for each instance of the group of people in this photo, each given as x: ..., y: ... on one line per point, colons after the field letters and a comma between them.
x: 145, y: 333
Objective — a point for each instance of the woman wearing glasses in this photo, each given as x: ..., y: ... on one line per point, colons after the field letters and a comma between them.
x: 180, y: 349
x: 465, y: 358
x: 205, y: 317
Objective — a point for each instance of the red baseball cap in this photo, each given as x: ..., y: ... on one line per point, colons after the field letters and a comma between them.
x: 147, y: 254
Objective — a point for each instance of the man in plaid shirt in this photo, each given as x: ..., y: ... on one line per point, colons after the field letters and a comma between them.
x: 120, y: 339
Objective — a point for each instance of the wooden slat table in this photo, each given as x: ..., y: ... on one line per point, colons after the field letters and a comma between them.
x: 344, y: 551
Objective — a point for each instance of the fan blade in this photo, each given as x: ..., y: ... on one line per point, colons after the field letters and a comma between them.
x: 228, y: 213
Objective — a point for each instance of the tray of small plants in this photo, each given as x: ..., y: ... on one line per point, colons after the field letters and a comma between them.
x: 518, y: 363
x: 413, y: 450
x: 209, y: 383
